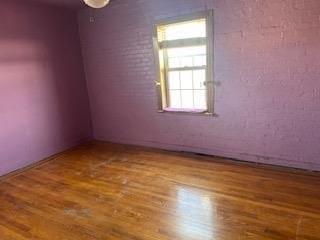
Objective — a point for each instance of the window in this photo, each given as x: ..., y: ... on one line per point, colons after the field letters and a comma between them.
x: 184, y: 54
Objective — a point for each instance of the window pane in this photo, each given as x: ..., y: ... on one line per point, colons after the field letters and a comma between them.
x: 200, y: 99
x: 186, y: 80
x: 186, y: 51
x: 200, y: 60
x: 186, y: 62
x: 175, y: 99
x: 174, y: 80
x: 183, y: 30
x: 199, y: 78
x: 187, y: 56
x: 187, y: 99
x: 174, y: 62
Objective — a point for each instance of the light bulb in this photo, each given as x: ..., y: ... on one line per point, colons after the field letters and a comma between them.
x: 96, y: 3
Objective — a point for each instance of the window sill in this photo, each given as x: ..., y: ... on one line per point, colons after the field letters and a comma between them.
x: 187, y: 111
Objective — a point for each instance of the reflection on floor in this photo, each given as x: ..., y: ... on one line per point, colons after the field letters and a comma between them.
x: 108, y: 191
x: 189, y: 217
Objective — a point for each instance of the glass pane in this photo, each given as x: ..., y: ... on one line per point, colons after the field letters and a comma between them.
x: 186, y: 51
x: 183, y: 30
x: 174, y: 80
x: 187, y: 56
x: 174, y: 62
x: 186, y: 80
x: 200, y: 60
x: 187, y: 99
x: 199, y: 78
x: 175, y: 99
x: 200, y: 99
x: 186, y: 62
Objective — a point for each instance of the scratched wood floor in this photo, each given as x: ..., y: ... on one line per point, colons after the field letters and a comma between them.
x: 107, y: 191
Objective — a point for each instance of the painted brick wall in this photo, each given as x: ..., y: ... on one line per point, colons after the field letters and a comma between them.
x: 44, y: 106
x: 267, y: 63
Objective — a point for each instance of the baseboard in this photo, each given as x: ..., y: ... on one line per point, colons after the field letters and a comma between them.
x: 43, y: 161
x: 161, y: 146
x: 232, y: 155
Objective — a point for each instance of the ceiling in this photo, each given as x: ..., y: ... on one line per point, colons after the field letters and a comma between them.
x: 73, y: 4
x: 65, y: 3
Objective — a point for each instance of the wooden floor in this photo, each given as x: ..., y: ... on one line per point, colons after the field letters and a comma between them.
x: 104, y: 191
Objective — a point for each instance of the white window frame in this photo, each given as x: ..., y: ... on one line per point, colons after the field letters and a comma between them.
x: 161, y: 65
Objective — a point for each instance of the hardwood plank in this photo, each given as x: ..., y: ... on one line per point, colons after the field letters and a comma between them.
x: 110, y: 191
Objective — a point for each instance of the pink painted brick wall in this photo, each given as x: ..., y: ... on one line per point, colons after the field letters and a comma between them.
x: 267, y: 61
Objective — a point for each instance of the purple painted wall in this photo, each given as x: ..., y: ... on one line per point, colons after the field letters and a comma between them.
x: 44, y: 107
x: 72, y: 4
x: 267, y: 60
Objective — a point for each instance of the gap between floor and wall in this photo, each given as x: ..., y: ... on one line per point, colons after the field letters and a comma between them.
x: 169, y: 149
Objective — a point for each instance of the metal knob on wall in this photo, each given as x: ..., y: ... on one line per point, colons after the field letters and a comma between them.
x: 96, y: 3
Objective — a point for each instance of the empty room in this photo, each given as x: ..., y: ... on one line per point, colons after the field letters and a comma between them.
x: 160, y: 120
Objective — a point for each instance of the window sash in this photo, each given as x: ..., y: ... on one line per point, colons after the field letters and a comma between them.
x: 189, y: 42
x: 167, y: 70
x: 187, y: 68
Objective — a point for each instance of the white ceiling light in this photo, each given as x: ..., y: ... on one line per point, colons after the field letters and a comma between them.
x: 96, y: 3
